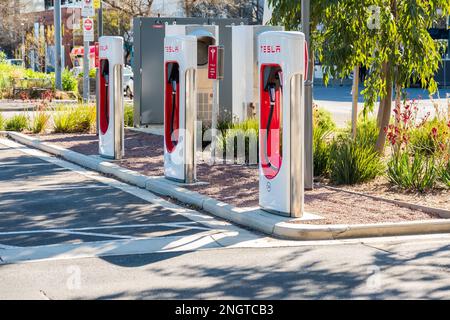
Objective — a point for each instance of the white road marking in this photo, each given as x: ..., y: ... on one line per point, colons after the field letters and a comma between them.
x: 24, y: 165
x: 170, y: 224
x: 57, y: 188
x: 113, y: 248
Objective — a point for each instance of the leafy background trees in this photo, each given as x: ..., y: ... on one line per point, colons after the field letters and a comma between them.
x: 390, y: 37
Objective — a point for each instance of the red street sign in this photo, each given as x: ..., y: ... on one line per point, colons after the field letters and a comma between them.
x: 212, y: 62
x: 88, y: 24
x: 97, y: 55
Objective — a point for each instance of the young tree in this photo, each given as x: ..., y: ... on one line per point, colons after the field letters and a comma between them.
x: 133, y: 8
x: 390, y: 37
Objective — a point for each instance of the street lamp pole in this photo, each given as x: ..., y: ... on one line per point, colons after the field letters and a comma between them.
x: 58, y: 44
x: 309, y: 162
x: 100, y: 20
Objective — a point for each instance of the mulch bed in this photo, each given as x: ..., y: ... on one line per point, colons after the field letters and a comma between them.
x: 238, y: 184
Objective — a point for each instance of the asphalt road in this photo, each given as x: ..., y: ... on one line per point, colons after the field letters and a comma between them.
x: 68, y: 233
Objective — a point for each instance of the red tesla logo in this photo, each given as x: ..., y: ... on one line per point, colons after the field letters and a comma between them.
x: 171, y: 49
x: 103, y: 48
x: 270, y: 49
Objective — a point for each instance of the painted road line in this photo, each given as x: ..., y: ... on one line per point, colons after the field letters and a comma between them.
x: 187, y: 225
x: 24, y: 165
x: 202, y: 241
x: 56, y: 188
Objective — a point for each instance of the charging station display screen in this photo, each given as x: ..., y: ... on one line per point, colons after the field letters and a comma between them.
x: 271, y: 121
x: 104, y: 95
x: 172, y: 105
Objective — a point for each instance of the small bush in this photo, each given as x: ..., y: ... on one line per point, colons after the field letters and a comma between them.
x: 69, y: 82
x: 430, y: 137
x: 352, y: 163
x: 444, y: 174
x: 323, y: 129
x: 40, y: 122
x: 417, y: 172
x: 17, y: 123
x: 129, y: 115
x: 247, y: 132
x: 2, y: 122
x: 80, y: 119
x: 367, y: 132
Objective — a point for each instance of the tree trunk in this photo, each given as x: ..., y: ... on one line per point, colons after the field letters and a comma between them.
x: 355, y: 93
x: 398, y: 99
x: 386, y: 111
x: 381, y: 105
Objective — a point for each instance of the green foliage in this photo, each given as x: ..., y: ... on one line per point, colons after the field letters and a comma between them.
x: 2, y: 122
x: 430, y: 138
x: 247, y: 132
x: 11, y: 75
x: 129, y: 115
x: 323, y: 129
x: 417, y: 172
x: 69, y: 82
x: 366, y: 131
x: 352, y: 163
x: 40, y: 122
x: 444, y: 173
x: 2, y: 57
x: 352, y: 33
x: 80, y: 119
x: 18, y: 122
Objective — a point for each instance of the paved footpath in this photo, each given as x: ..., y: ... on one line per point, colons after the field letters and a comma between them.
x: 68, y: 233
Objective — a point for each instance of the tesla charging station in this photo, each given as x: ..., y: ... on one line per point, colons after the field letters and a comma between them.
x: 180, y: 107
x: 282, y: 71
x: 110, y: 97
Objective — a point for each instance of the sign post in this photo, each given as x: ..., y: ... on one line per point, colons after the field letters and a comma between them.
x: 88, y: 34
x: 215, y: 73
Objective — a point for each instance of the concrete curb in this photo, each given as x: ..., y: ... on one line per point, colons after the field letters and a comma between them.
x: 445, y: 214
x: 255, y: 219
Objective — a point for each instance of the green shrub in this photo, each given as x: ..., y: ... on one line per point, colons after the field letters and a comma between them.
x: 247, y: 132
x: 367, y: 132
x: 69, y: 82
x: 2, y: 57
x: 416, y: 172
x: 444, y: 174
x: 17, y: 123
x: 2, y: 122
x: 129, y: 115
x: 40, y: 122
x: 429, y: 137
x: 352, y: 163
x: 323, y: 129
x: 80, y: 119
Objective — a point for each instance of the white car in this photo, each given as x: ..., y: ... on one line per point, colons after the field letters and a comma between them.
x: 128, y: 82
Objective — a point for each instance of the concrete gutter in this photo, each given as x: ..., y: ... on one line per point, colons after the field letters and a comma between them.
x: 255, y: 219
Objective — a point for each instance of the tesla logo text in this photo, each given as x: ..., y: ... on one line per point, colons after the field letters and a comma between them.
x: 103, y: 48
x: 270, y: 49
x: 170, y: 49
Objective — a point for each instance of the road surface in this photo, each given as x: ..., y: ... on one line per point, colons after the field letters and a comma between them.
x: 68, y: 233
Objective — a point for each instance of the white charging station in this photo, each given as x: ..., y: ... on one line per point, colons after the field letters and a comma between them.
x: 110, y: 96
x: 180, y: 107
x: 282, y: 73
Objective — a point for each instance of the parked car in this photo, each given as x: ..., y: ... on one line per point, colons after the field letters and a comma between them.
x: 128, y: 82
x: 15, y: 62
x: 127, y: 79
